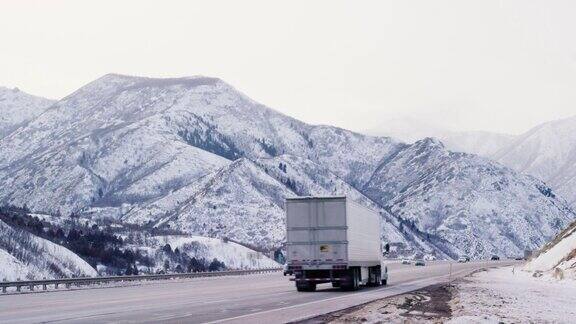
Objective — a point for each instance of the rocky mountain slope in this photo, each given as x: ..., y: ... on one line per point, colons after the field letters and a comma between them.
x: 478, y: 206
x: 547, y: 152
x: 197, y: 155
x: 18, y: 108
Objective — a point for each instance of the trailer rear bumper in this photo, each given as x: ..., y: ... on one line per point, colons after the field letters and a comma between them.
x: 318, y: 279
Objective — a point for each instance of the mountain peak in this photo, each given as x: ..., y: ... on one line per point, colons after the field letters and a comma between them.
x: 430, y: 142
x: 138, y: 81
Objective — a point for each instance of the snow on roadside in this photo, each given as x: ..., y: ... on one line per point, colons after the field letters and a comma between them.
x: 558, y: 258
x: 509, y: 295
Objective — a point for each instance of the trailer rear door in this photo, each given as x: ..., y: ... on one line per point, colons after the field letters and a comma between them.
x: 316, y: 229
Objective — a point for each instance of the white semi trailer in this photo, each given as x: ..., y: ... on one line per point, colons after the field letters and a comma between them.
x: 333, y: 240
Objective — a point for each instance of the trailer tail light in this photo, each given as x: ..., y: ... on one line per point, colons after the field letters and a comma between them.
x: 339, y: 267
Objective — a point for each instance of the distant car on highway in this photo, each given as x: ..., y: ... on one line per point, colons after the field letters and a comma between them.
x: 462, y: 259
x: 419, y: 263
x: 495, y: 258
x: 406, y: 261
x: 287, y: 271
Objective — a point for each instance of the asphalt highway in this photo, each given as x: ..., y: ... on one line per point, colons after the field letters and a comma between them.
x: 265, y: 298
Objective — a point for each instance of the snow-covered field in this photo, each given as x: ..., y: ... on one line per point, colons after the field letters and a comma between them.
x: 504, y: 295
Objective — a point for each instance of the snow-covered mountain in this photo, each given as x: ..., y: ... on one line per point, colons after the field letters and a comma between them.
x: 25, y: 256
x: 547, y: 152
x: 478, y: 206
x: 238, y: 201
x: 122, y: 140
x: 18, y: 107
x: 197, y: 155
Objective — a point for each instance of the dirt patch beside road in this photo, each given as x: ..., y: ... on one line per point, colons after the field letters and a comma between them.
x: 428, y: 305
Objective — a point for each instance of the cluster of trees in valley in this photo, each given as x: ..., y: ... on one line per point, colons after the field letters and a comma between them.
x: 107, y: 248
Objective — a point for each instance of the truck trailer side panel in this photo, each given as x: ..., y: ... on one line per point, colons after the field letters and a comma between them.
x: 363, y: 234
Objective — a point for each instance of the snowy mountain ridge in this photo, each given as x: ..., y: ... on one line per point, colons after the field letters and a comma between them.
x: 477, y: 206
x: 18, y: 107
x: 548, y: 152
x: 195, y: 154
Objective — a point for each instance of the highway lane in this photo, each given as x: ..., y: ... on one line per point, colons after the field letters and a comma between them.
x: 262, y: 298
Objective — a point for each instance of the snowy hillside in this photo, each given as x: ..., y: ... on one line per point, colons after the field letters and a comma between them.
x: 238, y: 201
x: 25, y: 256
x: 558, y: 257
x: 234, y: 256
x: 125, y: 146
x: 307, y: 178
x: 18, y: 107
x: 478, y: 206
x: 547, y: 152
x: 194, y: 154
x: 123, y: 140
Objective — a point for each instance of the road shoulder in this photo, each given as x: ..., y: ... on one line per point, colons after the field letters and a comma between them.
x: 502, y: 295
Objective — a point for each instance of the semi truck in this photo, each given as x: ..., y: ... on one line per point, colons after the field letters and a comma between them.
x: 333, y: 240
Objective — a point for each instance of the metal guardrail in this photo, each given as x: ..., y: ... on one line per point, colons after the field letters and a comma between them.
x: 68, y: 282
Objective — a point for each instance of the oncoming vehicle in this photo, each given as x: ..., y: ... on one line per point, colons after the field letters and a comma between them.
x: 406, y: 261
x: 462, y: 259
x: 419, y: 263
x: 495, y: 258
x: 333, y: 240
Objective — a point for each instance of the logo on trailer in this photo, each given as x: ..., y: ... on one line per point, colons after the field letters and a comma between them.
x: 324, y: 248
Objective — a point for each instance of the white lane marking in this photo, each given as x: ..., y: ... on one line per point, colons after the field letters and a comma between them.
x: 397, y: 287
x: 321, y: 301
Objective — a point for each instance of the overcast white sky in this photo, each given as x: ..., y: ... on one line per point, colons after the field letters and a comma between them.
x: 467, y: 65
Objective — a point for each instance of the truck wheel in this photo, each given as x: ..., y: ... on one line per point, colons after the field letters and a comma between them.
x: 305, y: 286
x: 374, y: 277
x: 312, y: 287
x: 353, y: 280
x: 336, y: 284
x: 384, y: 282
